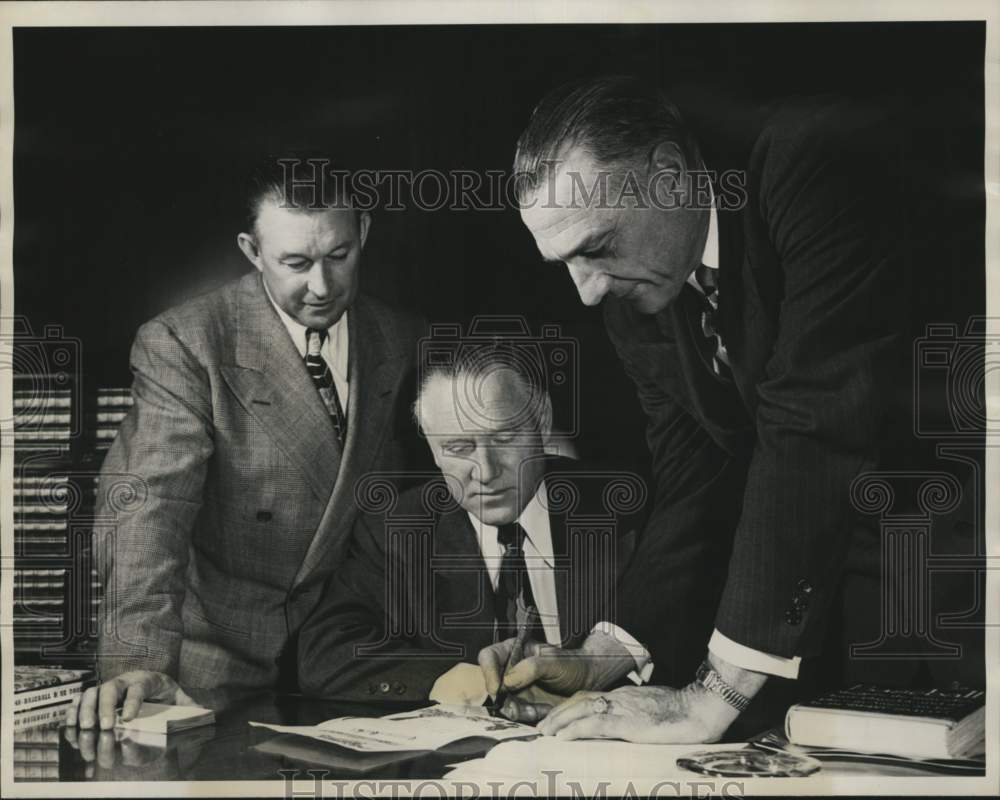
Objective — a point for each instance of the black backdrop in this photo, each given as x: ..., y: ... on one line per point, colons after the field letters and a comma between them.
x: 130, y: 143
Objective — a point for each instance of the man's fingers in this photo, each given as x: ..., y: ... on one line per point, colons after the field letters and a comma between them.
x: 134, y: 696
x: 577, y: 707
x: 182, y: 698
x: 523, y: 711
x: 492, y: 660
x: 72, y: 711
x: 526, y: 673
x: 107, y: 703
x: 88, y: 708
x: 541, y: 663
x: 593, y: 726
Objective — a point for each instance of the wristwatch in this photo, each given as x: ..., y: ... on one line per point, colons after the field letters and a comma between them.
x: 713, y: 681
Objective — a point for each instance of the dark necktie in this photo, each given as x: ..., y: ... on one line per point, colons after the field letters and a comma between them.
x: 708, y: 281
x: 513, y: 594
x: 322, y: 379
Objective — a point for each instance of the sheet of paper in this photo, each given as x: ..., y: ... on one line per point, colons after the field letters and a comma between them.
x: 550, y: 762
x: 424, y: 729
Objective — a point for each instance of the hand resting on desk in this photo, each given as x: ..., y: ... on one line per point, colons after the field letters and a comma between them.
x: 100, y: 702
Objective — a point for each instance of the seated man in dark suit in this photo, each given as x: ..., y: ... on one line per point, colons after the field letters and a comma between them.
x: 446, y: 569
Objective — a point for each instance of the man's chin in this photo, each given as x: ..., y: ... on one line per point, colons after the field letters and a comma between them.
x: 321, y: 317
x: 650, y: 302
x: 494, y: 516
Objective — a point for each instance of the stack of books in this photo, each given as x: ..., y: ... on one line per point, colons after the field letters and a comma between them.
x: 113, y: 404
x: 42, y: 687
x: 43, y: 413
x: 41, y: 545
x: 40, y: 511
x: 915, y: 723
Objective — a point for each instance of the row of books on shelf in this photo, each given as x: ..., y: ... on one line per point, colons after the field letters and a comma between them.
x: 46, y: 419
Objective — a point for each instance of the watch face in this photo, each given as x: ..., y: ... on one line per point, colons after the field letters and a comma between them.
x: 749, y: 763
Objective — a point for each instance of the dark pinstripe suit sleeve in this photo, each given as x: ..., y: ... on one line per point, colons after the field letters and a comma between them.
x: 821, y: 399
x: 362, y: 641
x: 687, y: 535
x: 161, y: 452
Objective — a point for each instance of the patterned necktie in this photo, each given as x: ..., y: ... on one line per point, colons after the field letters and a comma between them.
x: 513, y: 594
x: 709, y: 282
x: 322, y: 379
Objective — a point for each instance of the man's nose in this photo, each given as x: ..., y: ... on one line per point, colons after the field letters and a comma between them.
x: 319, y: 281
x: 591, y: 284
x: 487, y: 465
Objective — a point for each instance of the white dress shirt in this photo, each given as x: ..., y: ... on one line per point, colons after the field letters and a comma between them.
x: 540, y: 561
x: 722, y: 646
x: 334, y: 351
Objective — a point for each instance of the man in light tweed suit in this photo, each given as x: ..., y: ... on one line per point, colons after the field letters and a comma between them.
x: 257, y: 408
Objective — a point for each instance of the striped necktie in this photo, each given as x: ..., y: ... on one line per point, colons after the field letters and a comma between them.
x: 709, y: 282
x: 513, y: 595
x: 322, y: 379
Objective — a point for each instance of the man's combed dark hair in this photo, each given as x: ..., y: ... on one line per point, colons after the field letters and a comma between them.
x: 305, y: 180
x: 616, y: 119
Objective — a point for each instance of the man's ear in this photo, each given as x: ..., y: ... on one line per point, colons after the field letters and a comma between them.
x: 667, y: 169
x: 667, y: 157
x: 248, y: 244
x: 545, y: 419
x: 364, y: 223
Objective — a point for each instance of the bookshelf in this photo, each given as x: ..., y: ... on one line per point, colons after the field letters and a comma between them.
x: 63, y: 427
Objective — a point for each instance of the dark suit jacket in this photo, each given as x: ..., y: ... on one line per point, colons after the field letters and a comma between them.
x: 227, y: 497
x: 752, y: 518
x: 415, y: 598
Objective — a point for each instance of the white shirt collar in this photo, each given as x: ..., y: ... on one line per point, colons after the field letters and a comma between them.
x: 710, y: 255
x: 535, y: 521
x: 335, y: 348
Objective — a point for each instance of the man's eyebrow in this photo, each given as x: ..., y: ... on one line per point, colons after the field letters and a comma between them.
x: 591, y: 242
x: 297, y: 254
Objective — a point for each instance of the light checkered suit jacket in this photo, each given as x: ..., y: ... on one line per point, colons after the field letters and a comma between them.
x: 227, y: 497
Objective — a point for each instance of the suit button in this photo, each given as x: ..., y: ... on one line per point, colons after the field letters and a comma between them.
x: 793, y: 617
x: 384, y: 687
x: 263, y: 516
x: 804, y: 586
x: 800, y: 602
x: 399, y: 688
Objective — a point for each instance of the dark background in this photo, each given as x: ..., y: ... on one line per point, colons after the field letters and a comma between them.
x: 130, y: 145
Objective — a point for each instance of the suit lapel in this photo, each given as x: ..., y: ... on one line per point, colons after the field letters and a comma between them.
x: 270, y: 380
x: 744, y: 321
x: 373, y: 373
x: 465, y: 608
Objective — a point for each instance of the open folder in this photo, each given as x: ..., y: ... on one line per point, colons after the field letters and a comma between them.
x: 424, y: 729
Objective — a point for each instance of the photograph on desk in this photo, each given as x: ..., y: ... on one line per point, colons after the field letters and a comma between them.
x: 541, y: 399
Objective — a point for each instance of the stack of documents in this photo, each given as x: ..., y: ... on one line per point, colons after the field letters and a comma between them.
x: 160, y: 719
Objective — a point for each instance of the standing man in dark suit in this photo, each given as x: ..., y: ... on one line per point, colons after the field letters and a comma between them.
x: 447, y: 568
x: 748, y: 309
x: 257, y: 408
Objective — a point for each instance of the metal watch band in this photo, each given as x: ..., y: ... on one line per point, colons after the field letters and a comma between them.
x: 713, y: 681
